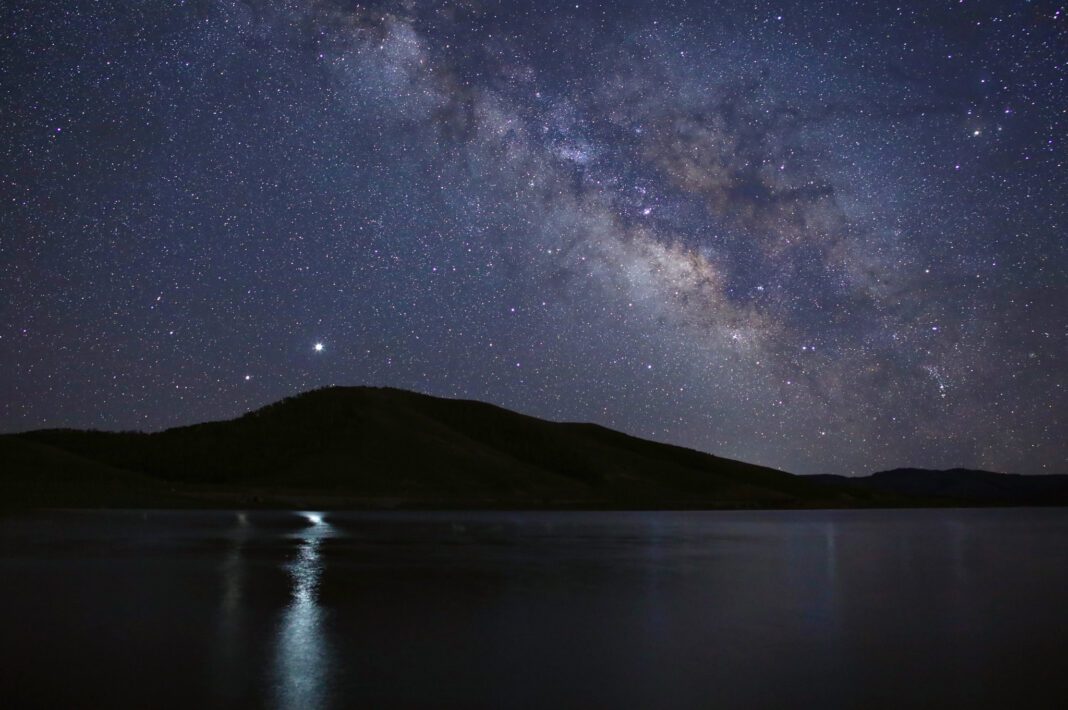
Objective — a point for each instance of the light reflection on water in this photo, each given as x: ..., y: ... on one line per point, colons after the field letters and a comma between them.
x: 302, y: 658
x: 228, y: 648
x: 831, y: 609
x: 233, y: 567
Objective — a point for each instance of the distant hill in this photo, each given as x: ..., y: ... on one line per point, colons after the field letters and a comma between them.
x: 34, y: 474
x: 959, y: 485
x: 352, y: 447
x: 360, y: 446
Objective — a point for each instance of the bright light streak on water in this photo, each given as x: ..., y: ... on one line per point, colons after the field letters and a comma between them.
x: 303, y: 661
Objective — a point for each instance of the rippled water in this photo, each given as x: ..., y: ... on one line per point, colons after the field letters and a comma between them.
x: 938, y: 608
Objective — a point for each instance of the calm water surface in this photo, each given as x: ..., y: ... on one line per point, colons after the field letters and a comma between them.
x: 851, y: 609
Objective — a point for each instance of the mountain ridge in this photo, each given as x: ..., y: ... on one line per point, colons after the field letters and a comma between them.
x: 385, y: 447
x: 961, y: 485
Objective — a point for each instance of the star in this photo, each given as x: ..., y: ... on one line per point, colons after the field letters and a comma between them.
x: 318, y: 347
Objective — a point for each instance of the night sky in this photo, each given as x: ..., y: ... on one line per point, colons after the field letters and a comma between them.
x: 821, y: 236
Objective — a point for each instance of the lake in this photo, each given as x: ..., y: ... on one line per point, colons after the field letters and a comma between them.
x: 828, y: 609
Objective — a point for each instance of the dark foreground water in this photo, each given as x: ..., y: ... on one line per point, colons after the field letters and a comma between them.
x: 923, y: 608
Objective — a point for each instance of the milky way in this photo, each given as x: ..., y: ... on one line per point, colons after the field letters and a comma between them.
x: 812, y: 236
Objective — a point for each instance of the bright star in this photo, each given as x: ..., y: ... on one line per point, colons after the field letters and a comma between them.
x: 318, y: 347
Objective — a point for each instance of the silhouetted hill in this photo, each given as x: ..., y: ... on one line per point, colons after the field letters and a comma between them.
x: 371, y: 447
x: 35, y: 474
x: 358, y: 446
x: 960, y: 485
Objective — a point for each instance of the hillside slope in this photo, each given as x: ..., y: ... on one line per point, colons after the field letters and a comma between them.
x: 369, y: 446
x: 34, y: 474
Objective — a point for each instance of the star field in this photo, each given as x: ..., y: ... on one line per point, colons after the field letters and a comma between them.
x: 821, y: 236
